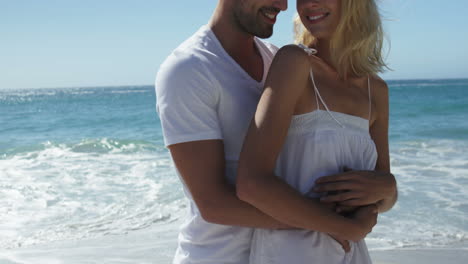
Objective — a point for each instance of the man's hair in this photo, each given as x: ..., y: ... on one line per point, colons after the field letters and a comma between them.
x: 357, y: 42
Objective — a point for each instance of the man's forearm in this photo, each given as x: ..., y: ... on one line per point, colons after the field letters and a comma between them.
x: 387, y: 203
x: 390, y: 194
x: 230, y: 210
x: 280, y: 200
x: 201, y: 164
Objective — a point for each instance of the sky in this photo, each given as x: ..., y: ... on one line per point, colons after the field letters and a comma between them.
x: 57, y: 43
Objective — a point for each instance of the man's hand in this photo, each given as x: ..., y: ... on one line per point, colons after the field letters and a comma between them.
x: 366, y: 218
x: 356, y: 188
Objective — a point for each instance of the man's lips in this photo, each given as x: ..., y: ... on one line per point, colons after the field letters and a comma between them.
x: 270, y: 14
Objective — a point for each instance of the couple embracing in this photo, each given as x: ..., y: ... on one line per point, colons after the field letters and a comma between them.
x: 283, y: 153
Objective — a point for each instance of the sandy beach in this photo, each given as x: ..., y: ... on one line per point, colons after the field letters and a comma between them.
x: 153, y: 245
x: 157, y: 245
x: 426, y: 256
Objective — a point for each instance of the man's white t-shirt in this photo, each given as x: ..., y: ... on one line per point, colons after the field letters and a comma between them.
x: 203, y: 94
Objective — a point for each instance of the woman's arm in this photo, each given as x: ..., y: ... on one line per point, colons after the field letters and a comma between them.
x: 379, y: 133
x: 367, y: 187
x: 256, y: 182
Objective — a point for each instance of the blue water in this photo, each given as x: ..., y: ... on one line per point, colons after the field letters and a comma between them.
x: 90, y: 162
x: 429, y: 109
x: 33, y: 117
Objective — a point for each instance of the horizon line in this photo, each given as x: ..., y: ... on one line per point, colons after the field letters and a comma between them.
x: 144, y: 85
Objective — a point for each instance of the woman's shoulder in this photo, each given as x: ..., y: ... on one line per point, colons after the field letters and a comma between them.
x: 293, y: 54
x: 378, y: 84
x: 297, y: 51
x: 298, y: 58
x: 379, y: 89
x: 290, y: 66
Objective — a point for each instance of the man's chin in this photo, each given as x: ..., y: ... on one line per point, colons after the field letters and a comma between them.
x: 265, y: 33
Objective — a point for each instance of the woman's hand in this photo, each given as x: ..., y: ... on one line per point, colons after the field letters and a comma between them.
x: 356, y: 188
x: 343, y: 210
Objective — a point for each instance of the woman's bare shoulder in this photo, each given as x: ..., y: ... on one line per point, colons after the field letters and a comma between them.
x: 292, y: 54
x: 289, y: 68
x: 297, y: 60
x: 378, y: 83
x: 380, y: 91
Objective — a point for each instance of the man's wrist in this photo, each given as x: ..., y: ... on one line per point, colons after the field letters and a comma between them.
x: 389, y: 186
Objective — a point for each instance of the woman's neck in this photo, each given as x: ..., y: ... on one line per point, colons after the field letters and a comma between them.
x: 324, y: 52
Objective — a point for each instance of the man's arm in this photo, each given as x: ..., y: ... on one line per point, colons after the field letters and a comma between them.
x: 187, y: 103
x: 201, y: 165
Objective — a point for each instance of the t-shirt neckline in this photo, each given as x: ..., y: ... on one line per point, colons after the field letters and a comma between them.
x: 239, y: 68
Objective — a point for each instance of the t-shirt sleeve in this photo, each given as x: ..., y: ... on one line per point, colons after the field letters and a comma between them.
x: 186, y: 101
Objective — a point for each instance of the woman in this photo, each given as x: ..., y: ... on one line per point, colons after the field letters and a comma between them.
x: 319, y: 115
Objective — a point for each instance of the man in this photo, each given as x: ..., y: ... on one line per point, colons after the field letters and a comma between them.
x: 207, y: 92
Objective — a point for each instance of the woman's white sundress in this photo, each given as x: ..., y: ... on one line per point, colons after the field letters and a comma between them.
x: 319, y: 143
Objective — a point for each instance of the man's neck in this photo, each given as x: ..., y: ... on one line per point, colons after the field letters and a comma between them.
x: 236, y: 42
x: 239, y: 44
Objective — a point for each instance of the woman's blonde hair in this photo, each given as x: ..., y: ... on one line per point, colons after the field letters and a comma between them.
x: 357, y: 42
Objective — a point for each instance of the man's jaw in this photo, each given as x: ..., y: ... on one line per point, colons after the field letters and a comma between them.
x: 270, y: 14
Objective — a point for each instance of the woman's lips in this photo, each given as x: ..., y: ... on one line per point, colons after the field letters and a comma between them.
x: 316, y: 18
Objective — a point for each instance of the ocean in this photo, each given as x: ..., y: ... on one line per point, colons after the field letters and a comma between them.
x: 89, y: 164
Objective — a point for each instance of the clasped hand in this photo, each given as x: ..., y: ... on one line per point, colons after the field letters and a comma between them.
x: 355, y: 188
x: 355, y: 195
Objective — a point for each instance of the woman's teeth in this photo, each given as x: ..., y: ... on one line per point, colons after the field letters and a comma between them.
x: 313, y: 18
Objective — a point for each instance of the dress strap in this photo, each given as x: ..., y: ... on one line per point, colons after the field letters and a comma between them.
x: 370, y: 97
x: 316, y: 96
x: 311, y: 52
x: 317, y: 93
